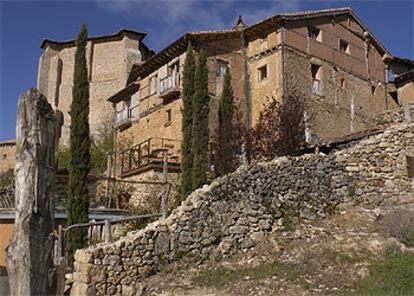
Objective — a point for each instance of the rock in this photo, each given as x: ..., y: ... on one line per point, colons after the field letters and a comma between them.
x: 81, y: 289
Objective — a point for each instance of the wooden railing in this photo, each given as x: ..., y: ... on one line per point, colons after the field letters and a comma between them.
x: 149, y: 152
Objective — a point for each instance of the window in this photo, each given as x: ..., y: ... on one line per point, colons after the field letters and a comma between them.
x: 262, y: 73
x: 4, y: 156
x: 344, y: 46
x: 315, y: 33
x: 372, y: 90
x: 169, y: 116
x: 153, y: 85
x: 316, y: 79
x: 342, y: 83
x: 174, y: 68
x: 390, y: 75
x: 221, y: 68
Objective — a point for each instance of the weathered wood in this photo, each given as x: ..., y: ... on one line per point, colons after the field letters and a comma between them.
x: 165, y: 187
x: 30, y: 253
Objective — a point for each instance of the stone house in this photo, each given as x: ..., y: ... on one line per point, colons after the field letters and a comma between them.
x: 7, y: 155
x: 401, y: 79
x: 327, y: 56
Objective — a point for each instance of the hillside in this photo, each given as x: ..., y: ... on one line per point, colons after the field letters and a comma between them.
x: 351, y: 253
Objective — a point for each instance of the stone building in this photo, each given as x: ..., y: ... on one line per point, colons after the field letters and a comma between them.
x: 401, y: 76
x: 109, y: 61
x: 7, y: 155
x: 329, y: 57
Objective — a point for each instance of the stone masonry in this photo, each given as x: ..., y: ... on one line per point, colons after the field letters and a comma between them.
x: 237, y: 210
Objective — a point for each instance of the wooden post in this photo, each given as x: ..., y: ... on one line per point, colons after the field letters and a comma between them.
x: 107, y: 231
x: 30, y: 253
x: 164, y: 198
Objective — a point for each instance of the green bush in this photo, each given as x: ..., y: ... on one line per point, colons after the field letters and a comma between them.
x: 6, y: 178
x: 392, y: 276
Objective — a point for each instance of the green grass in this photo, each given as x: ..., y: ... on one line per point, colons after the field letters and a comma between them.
x: 393, y: 276
x: 221, y: 276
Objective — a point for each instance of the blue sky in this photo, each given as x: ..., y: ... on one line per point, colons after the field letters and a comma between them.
x: 24, y: 24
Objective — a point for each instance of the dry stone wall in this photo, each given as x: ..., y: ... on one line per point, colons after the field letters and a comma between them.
x: 237, y: 210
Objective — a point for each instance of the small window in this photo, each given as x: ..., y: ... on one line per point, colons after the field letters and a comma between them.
x: 262, y: 73
x: 174, y: 68
x: 373, y: 89
x: 314, y: 33
x: 4, y: 156
x: 344, y: 46
x: 390, y: 75
x: 342, y: 83
x: 221, y: 68
x: 316, y: 79
x: 153, y: 85
x: 169, y: 116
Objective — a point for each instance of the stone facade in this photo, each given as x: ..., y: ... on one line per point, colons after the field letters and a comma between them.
x: 272, y: 59
x: 7, y: 156
x: 109, y: 61
x: 237, y: 210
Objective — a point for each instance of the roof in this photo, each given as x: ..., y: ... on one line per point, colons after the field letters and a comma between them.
x: 108, y: 37
x: 8, y: 143
x: 400, y: 60
x: 403, y: 78
x: 94, y: 214
x: 127, y: 91
x: 180, y: 45
x: 176, y: 48
x: 280, y: 17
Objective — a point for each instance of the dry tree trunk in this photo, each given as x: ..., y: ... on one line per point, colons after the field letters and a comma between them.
x: 29, y: 255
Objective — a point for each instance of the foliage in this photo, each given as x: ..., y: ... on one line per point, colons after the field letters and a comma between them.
x: 280, y: 129
x: 400, y: 224
x: 80, y: 163
x: 6, y: 179
x: 227, y: 150
x: 392, y: 276
x: 200, y: 133
x: 187, y: 125
x: 102, y: 146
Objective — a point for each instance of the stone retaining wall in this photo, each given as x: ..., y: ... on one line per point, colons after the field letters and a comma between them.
x: 236, y: 211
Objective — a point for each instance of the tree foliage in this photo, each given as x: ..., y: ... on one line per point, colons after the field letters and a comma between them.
x: 187, y: 125
x: 280, y: 128
x: 80, y: 163
x: 200, y: 133
x: 227, y: 149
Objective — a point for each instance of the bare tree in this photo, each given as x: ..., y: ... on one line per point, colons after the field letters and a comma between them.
x: 280, y: 129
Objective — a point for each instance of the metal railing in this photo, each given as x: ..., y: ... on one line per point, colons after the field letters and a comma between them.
x: 171, y: 82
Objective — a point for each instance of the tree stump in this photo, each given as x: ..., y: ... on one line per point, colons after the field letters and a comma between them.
x: 30, y: 253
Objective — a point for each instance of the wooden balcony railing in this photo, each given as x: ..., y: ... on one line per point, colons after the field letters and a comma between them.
x: 148, y: 155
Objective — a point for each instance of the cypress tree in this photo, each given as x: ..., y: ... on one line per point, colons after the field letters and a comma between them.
x: 200, y: 123
x: 187, y: 125
x: 225, y: 158
x: 78, y: 201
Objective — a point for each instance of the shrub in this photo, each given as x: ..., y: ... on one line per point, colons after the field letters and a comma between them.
x: 392, y: 276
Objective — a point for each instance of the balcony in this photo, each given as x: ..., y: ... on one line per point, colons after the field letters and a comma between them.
x: 317, y: 87
x: 169, y: 87
x: 123, y: 118
x: 148, y: 155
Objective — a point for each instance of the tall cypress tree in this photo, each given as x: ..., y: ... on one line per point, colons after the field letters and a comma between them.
x: 78, y: 201
x: 225, y: 154
x: 200, y: 123
x: 187, y: 124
